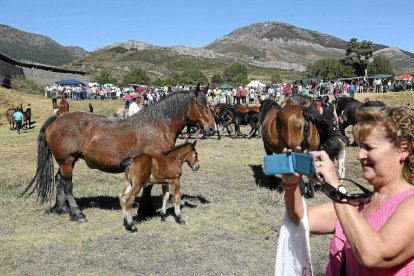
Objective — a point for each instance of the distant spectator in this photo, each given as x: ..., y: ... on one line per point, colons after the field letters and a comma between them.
x: 127, y: 98
x: 351, y: 90
x: 134, y: 108
x: 47, y: 91
x: 243, y: 94
x: 53, y: 95
x: 18, y: 118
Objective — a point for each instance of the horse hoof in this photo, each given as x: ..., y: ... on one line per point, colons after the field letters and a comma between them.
x: 163, y: 218
x: 79, y: 218
x: 82, y: 220
x: 180, y: 221
x: 131, y: 228
x: 60, y: 210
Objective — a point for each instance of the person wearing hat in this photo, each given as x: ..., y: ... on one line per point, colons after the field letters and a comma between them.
x: 133, y: 107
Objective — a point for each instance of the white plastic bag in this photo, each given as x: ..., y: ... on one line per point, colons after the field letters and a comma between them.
x: 293, y: 255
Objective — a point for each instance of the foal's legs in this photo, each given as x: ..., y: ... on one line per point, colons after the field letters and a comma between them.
x: 128, y: 199
x: 177, y: 200
x: 61, y: 205
x: 127, y: 212
x: 165, y: 196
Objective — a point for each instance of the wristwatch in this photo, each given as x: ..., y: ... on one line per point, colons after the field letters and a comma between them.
x: 341, y: 190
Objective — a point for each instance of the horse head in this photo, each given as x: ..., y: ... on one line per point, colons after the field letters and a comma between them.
x: 199, y: 110
x: 192, y: 156
x: 296, y: 129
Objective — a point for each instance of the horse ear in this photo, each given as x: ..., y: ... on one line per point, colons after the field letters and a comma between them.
x: 197, y: 88
x: 205, y: 90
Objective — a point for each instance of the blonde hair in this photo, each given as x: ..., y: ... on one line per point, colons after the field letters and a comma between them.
x: 398, y: 123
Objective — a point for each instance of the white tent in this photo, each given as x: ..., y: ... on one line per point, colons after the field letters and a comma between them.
x: 256, y: 84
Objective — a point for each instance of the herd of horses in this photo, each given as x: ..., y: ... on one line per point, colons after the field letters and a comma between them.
x: 62, y: 109
x: 143, y: 146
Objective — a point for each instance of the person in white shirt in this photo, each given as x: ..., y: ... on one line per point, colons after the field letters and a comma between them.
x: 133, y: 107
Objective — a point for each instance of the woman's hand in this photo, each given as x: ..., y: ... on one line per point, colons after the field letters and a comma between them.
x: 291, y: 180
x: 325, y: 168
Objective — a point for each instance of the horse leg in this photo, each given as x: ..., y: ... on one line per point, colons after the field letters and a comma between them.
x: 177, y: 201
x: 146, y: 200
x: 61, y: 205
x: 126, y: 199
x: 75, y: 212
x: 165, y: 196
x: 66, y: 180
x: 341, y: 163
x: 218, y: 133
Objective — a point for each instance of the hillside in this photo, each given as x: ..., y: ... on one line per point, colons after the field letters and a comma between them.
x: 161, y: 62
x: 31, y: 47
x: 265, y: 48
x: 272, y: 42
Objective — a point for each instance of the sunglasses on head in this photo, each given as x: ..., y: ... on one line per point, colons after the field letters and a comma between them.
x: 341, y: 193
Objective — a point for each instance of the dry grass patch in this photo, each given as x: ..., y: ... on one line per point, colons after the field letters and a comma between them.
x: 231, y: 225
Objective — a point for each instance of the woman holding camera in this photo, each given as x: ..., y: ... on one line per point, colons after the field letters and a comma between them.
x: 373, y: 232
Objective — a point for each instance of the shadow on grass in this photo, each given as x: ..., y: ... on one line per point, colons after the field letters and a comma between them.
x: 270, y: 182
x: 145, y: 211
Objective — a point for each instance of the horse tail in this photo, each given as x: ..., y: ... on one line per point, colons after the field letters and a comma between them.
x: 43, y: 180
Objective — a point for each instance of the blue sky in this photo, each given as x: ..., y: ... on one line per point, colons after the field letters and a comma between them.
x: 92, y: 24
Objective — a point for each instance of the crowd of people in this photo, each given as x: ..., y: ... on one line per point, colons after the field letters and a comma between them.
x: 230, y: 95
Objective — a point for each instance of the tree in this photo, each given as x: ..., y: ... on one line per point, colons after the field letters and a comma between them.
x: 137, y: 75
x: 235, y: 73
x: 193, y: 76
x: 380, y: 65
x: 104, y: 76
x: 358, y: 55
x: 217, y: 79
x: 330, y: 69
x: 276, y: 78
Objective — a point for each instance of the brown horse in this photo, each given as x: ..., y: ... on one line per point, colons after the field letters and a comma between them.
x: 287, y: 128
x: 295, y: 125
x: 162, y: 169
x: 247, y: 108
x: 103, y: 142
x: 9, y: 116
x: 63, y: 107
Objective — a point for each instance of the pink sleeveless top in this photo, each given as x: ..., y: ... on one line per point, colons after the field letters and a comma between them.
x: 376, y: 220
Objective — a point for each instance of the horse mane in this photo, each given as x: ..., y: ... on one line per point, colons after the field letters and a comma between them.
x: 175, y: 105
x: 300, y: 99
x: 342, y: 102
x: 325, y: 128
x: 328, y: 133
x: 266, y: 105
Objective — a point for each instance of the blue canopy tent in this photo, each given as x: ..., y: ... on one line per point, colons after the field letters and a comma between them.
x: 69, y: 82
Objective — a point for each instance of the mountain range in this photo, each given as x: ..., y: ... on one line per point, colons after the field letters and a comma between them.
x: 263, y: 47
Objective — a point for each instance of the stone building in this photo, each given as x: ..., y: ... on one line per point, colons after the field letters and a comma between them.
x: 38, y: 73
